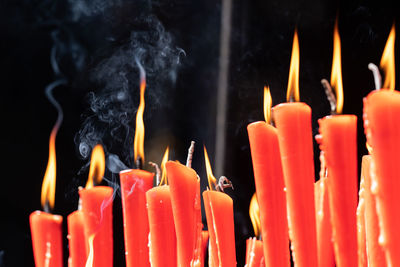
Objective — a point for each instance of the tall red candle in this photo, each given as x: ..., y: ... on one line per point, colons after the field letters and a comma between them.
x: 76, y: 239
x: 134, y: 185
x: 186, y: 208
x: 97, y: 209
x: 162, y: 228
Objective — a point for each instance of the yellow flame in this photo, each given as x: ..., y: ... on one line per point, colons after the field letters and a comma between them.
x: 139, y: 130
x: 164, y: 179
x: 97, y: 166
x: 49, y: 180
x: 210, y: 176
x: 254, y: 212
x: 387, y: 61
x: 267, y: 104
x: 336, y: 75
x: 292, y: 92
x: 89, y: 261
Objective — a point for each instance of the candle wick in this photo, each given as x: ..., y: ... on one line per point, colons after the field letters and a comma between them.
x: 190, y: 155
x: 46, y: 207
x: 330, y: 95
x: 223, y: 183
x: 377, y: 76
x: 158, y: 172
x: 139, y: 163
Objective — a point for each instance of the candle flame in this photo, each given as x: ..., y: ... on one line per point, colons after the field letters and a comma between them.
x: 164, y: 179
x: 336, y: 75
x: 139, y: 130
x: 97, y: 166
x: 254, y: 212
x: 49, y: 180
x: 293, y: 83
x: 210, y: 176
x: 267, y: 104
x: 387, y: 61
x: 89, y: 261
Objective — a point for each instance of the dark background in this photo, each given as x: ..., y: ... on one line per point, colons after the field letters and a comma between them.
x: 92, y: 45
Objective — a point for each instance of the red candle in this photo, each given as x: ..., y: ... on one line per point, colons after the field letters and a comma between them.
x: 376, y: 254
x: 76, y: 240
x: 269, y: 183
x: 326, y: 256
x: 162, y: 228
x: 254, y: 253
x: 361, y: 235
x: 186, y: 208
x: 134, y: 185
x: 204, y: 244
x: 47, y: 245
x: 97, y: 209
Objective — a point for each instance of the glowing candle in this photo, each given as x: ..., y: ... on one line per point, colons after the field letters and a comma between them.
x: 338, y: 141
x: 269, y: 182
x: 293, y: 122
x: 46, y: 228
x: 97, y: 210
x: 219, y: 213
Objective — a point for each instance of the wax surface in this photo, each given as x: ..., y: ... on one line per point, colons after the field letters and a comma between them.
x: 186, y: 208
x: 220, y: 222
x: 271, y: 197
x: 326, y: 256
x: 162, y: 227
x: 254, y: 253
x: 376, y: 255
x: 46, y: 230
x: 76, y: 240
x: 97, y: 209
x: 134, y: 185
x: 382, y: 128
x: 293, y: 122
x: 339, y: 144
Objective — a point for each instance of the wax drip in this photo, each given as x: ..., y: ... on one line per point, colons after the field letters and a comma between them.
x: 158, y: 172
x: 330, y: 95
x: 377, y: 76
x: 190, y: 155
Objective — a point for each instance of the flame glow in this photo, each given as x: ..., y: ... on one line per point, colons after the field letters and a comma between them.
x: 336, y: 75
x: 138, y: 144
x: 210, y: 176
x: 97, y: 166
x: 89, y: 261
x: 387, y: 61
x: 49, y: 180
x: 292, y: 93
x: 267, y: 104
x: 254, y: 212
x: 164, y: 179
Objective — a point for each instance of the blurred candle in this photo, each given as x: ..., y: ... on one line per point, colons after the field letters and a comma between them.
x: 204, y: 244
x: 219, y: 214
x: 254, y: 253
x: 269, y: 183
x: 361, y: 234
x: 293, y: 122
x: 76, y: 240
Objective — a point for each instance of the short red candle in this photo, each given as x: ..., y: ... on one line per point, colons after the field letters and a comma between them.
x: 293, y: 121
x: 219, y: 214
x: 76, y: 240
x: 47, y: 245
x: 339, y: 144
x: 326, y: 256
x: 162, y: 227
x: 134, y: 185
x: 186, y: 208
x: 271, y: 197
x: 97, y: 209
x: 381, y: 122
x: 361, y: 235
x: 376, y: 254
x: 254, y: 253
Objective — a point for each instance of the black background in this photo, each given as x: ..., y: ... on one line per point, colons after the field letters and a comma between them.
x: 86, y: 34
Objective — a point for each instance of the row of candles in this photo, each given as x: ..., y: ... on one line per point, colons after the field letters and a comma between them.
x: 324, y: 222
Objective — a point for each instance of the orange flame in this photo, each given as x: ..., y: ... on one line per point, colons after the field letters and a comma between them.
x: 292, y: 92
x: 267, y: 104
x: 254, y: 212
x: 210, y: 176
x: 139, y: 130
x: 336, y: 75
x: 89, y: 261
x: 49, y: 180
x: 387, y: 61
x: 97, y: 166
x: 164, y: 179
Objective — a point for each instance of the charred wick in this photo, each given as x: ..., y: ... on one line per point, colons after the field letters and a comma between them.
x: 223, y: 183
x: 330, y: 95
x: 158, y: 172
x: 139, y: 163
